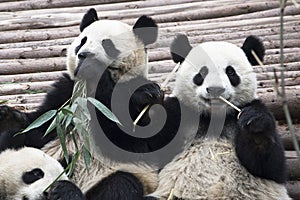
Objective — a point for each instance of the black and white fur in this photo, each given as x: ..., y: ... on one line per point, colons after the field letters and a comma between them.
x: 119, y: 51
x: 26, y: 173
x: 247, y: 160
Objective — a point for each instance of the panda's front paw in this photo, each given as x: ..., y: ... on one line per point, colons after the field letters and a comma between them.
x: 11, y: 118
x: 148, y: 94
x: 256, y: 120
x: 65, y: 190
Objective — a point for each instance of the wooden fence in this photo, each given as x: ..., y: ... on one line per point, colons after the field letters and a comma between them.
x: 35, y: 34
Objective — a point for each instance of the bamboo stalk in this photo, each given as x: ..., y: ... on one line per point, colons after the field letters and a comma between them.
x: 283, y: 89
x: 21, y: 66
x: 31, y: 77
x: 38, y: 4
x: 66, y: 32
x: 30, y: 20
x: 23, y: 88
x: 38, y: 52
x: 268, y: 13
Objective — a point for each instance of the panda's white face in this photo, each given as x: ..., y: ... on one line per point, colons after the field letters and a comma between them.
x: 214, y: 69
x: 111, y: 45
x: 26, y: 173
x: 114, y: 45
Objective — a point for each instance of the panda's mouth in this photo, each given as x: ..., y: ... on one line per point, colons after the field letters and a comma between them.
x: 213, y: 101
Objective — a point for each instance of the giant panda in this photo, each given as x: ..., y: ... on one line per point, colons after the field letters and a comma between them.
x: 26, y: 173
x: 245, y: 160
x: 119, y: 52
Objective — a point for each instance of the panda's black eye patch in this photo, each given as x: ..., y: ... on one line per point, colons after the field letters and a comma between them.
x: 32, y: 176
x: 232, y: 75
x: 83, y: 41
x: 110, y: 48
x: 199, y: 78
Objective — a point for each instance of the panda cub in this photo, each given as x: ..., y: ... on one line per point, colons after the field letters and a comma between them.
x: 246, y: 159
x: 106, y: 53
x: 27, y: 172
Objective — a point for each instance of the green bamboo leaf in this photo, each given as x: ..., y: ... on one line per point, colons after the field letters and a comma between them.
x: 74, y: 139
x: 87, y: 157
x: 73, y: 107
x: 82, y: 108
x: 62, y: 138
x: 68, y: 120
x: 41, y: 120
x: 51, y: 127
x: 102, y: 108
x: 66, y: 111
x: 72, y: 164
x: 3, y: 101
x: 79, y: 89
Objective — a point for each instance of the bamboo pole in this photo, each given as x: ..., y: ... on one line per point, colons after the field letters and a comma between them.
x: 21, y: 66
x: 39, y: 4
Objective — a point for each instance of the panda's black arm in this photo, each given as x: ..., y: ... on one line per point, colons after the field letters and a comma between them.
x: 147, y: 94
x: 65, y: 190
x: 258, y: 145
x: 119, y: 185
x: 13, y: 121
x: 55, y: 98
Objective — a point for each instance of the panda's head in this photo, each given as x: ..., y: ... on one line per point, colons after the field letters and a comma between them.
x: 214, y: 69
x: 113, y: 44
x: 26, y: 173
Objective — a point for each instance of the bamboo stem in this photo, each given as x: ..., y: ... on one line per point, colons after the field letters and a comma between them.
x: 139, y: 117
x: 283, y: 93
x: 229, y: 103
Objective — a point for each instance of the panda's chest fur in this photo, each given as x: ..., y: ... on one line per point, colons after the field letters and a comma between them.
x: 228, y: 127
x: 213, y: 165
x: 213, y: 172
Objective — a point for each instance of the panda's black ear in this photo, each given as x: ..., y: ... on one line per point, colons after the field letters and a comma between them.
x: 89, y: 17
x: 255, y: 44
x: 180, y: 48
x: 146, y: 29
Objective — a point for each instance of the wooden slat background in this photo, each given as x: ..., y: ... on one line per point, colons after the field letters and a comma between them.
x: 35, y: 34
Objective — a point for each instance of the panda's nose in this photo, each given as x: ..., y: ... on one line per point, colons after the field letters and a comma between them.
x: 83, y: 55
x: 215, y: 91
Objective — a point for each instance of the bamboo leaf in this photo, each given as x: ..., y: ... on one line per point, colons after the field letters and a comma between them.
x: 72, y: 164
x: 3, y: 101
x: 51, y: 127
x: 102, y: 108
x: 82, y: 109
x: 87, y: 157
x: 66, y: 111
x: 41, y: 120
x: 73, y: 107
x: 62, y: 138
x: 79, y: 89
x: 68, y: 120
x: 74, y: 139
